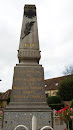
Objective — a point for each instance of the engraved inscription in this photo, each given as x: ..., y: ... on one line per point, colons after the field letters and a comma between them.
x: 29, y: 45
x: 28, y: 92
x: 28, y: 85
x: 28, y: 71
x: 20, y: 79
x: 28, y: 96
x: 16, y: 87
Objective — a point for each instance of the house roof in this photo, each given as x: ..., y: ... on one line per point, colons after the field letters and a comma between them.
x: 5, y: 95
x: 52, y: 84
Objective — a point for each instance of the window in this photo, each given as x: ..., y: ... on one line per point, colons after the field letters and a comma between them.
x: 56, y: 84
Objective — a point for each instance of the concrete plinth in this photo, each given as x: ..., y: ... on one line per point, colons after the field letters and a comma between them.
x: 13, y: 119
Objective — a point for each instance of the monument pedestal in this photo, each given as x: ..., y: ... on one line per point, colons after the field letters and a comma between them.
x: 27, y: 99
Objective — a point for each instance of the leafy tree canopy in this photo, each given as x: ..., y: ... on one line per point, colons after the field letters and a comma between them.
x: 65, y: 89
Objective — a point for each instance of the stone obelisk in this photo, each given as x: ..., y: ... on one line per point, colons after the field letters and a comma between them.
x: 28, y: 93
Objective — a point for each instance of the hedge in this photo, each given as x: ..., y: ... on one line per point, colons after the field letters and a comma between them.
x: 56, y: 106
x: 53, y: 100
x: 65, y: 89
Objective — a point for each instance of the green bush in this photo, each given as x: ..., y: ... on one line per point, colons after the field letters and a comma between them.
x: 53, y: 100
x: 56, y: 106
x: 71, y: 103
x: 65, y: 89
x: 0, y: 94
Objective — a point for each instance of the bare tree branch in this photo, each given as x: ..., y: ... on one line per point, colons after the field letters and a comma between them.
x: 68, y: 70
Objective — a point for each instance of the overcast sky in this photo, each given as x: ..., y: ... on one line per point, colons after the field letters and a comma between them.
x: 55, y: 28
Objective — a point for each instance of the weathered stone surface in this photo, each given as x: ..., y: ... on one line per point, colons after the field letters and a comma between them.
x: 29, y: 43
x: 20, y: 128
x: 28, y: 84
x: 28, y: 94
x: 12, y: 119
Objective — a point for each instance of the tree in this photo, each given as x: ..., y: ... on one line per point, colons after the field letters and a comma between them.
x: 65, y: 89
x: 68, y: 70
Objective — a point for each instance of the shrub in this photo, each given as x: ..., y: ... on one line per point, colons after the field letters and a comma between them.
x: 65, y: 89
x: 71, y: 103
x: 0, y: 94
x: 53, y: 100
x: 56, y: 106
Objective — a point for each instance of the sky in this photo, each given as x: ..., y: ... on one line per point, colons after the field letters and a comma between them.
x: 55, y: 30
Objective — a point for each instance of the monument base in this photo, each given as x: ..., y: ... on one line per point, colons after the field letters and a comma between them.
x: 14, y: 118
x: 27, y: 100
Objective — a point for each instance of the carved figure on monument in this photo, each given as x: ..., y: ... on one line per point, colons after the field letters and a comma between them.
x: 30, y: 13
x: 28, y: 27
x: 28, y: 93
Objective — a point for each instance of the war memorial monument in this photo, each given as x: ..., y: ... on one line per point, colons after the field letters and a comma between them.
x: 28, y: 94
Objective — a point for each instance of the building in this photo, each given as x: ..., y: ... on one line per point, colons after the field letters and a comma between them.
x: 4, y: 98
x: 51, y: 85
